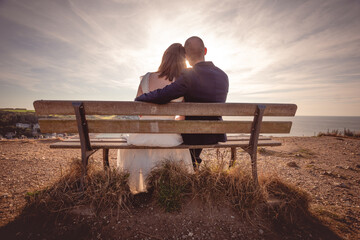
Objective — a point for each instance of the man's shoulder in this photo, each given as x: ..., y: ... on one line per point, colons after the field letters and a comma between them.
x: 219, y: 70
x: 202, y: 69
x: 209, y: 66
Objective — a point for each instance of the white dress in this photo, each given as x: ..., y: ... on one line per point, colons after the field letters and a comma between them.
x: 139, y: 162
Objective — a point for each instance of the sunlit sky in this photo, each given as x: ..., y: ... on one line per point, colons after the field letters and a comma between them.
x: 279, y: 51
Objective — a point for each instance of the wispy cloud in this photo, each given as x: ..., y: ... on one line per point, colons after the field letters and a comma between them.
x: 306, y: 52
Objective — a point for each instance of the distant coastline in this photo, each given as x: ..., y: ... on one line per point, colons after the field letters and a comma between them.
x: 312, y: 125
x: 16, y: 110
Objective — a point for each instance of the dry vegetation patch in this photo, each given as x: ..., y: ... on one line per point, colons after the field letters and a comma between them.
x: 172, y: 185
x: 104, y: 190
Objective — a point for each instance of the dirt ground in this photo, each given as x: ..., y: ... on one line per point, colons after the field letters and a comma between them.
x: 326, y: 167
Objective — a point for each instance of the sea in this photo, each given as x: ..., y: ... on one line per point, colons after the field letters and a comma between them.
x: 312, y: 125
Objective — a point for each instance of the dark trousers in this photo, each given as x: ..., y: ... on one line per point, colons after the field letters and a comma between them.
x: 195, y: 156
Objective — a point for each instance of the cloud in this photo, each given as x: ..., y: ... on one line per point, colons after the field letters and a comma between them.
x: 281, y: 50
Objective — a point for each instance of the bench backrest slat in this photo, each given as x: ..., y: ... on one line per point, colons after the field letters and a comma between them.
x: 45, y: 107
x: 162, y: 126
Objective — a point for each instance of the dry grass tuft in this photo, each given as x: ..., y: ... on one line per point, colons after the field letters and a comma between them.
x: 338, y: 133
x: 349, y: 133
x: 104, y: 190
x: 292, y: 203
x: 171, y: 184
x: 235, y: 186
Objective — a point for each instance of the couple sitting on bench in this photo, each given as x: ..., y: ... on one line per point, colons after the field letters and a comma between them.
x: 204, y: 82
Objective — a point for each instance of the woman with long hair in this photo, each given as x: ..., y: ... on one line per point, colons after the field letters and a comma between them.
x: 139, y: 162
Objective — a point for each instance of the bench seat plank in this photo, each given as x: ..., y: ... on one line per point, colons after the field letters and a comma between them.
x: 95, y: 139
x: 124, y: 145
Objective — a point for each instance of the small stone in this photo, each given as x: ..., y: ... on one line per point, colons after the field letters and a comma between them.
x: 232, y: 217
x: 4, y: 195
x: 261, y: 231
x: 190, y: 234
x: 292, y: 164
x: 342, y: 185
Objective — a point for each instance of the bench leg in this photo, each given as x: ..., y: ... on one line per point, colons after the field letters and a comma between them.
x: 85, y: 155
x: 84, y: 161
x: 254, y: 138
x: 233, y: 157
x: 86, y: 149
x: 106, y: 158
x: 253, y: 157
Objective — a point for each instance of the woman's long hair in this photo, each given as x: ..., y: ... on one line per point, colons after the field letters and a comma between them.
x: 173, y: 62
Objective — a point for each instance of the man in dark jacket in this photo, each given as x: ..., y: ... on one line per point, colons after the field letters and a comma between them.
x: 204, y: 82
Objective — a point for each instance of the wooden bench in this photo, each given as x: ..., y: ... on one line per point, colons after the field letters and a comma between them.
x: 81, y: 117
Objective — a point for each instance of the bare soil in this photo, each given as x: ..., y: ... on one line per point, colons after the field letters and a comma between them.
x: 326, y: 167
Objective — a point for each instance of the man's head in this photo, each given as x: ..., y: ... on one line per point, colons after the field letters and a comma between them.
x: 195, y: 50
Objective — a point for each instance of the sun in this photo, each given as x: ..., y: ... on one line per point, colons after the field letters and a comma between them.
x: 188, y: 64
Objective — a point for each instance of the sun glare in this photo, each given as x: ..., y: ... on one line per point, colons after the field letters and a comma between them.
x: 188, y: 64
x: 242, y: 59
x: 240, y: 56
